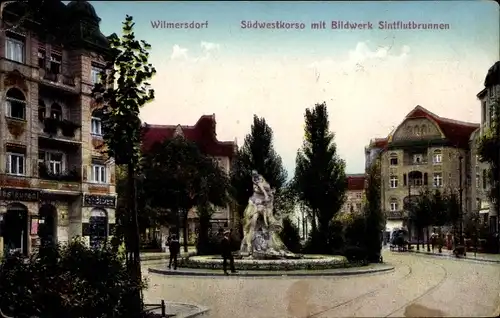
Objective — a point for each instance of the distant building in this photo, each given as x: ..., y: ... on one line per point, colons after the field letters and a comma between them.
x: 422, y: 152
x: 478, y: 194
x: 203, y: 133
x: 354, y: 194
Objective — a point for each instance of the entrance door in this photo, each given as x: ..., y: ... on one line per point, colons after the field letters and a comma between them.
x: 98, y: 223
x: 47, y: 224
x: 15, y: 229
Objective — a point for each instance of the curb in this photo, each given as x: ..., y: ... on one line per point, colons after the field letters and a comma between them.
x: 312, y: 273
x: 458, y: 258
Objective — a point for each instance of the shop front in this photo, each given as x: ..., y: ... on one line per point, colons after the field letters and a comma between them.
x: 18, y: 209
x: 98, y: 218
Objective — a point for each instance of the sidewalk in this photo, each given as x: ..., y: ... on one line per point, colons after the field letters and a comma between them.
x: 489, y: 258
x: 156, y: 256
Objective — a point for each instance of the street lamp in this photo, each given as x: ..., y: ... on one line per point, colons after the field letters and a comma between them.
x: 460, y: 191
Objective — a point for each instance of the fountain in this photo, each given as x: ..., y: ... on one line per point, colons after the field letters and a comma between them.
x: 261, y: 247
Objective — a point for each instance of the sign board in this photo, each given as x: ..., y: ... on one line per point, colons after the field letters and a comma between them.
x: 12, y: 194
x: 101, y: 201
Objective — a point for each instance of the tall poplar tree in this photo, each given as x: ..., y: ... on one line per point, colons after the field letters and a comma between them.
x: 320, y: 181
x: 123, y: 90
x: 257, y: 153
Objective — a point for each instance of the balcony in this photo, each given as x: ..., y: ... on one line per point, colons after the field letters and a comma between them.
x: 58, y: 81
x: 63, y: 130
x: 71, y: 175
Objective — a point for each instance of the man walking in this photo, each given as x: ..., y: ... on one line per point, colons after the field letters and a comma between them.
x: 227, y: 254
x: 174, y: 248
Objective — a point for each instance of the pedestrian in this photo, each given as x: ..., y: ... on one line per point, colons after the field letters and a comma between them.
x: 174, y: 247
x: 227, y: 254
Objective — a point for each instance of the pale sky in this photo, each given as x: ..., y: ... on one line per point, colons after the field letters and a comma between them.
x: 370, y: 79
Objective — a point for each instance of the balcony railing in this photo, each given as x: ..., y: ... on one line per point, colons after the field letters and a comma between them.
x: 61, y: 79
x: 65, y: 128
x: 71, y: 175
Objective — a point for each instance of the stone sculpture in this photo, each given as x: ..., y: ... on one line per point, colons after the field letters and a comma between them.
x: 261, y: 227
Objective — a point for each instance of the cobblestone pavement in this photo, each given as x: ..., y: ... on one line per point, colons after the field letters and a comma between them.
x: 419, y: 287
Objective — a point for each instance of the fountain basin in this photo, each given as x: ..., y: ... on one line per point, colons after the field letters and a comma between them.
x: 307, y: 262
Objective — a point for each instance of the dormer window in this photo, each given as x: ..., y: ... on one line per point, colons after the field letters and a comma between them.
x: 418, y: 159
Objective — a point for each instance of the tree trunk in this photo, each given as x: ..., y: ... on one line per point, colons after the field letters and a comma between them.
x: 133, y: 253
x: 185, y: 231
x: 428, y: 240
x: 418, y: 239
x: 440, y: 240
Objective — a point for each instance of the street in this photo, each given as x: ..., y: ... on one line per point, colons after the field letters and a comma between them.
x: 419, y: 286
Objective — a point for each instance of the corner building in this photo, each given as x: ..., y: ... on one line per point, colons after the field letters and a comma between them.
x: 56, y: 183
x: 424, y: 152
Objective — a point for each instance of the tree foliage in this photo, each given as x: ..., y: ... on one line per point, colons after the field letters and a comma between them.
x: 320, y: 181
x: 179, y: 177
x: 67, y: 281
x: 122, y: 91
x: 290, y: 235
x: 374, y: 216
x: 258, y: 153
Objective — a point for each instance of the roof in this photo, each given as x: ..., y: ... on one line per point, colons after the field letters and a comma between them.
x: 203, y: 133
x: 457, y: 132
x: 378, y: 143
x: 355, y: 182
x: 493, y: 75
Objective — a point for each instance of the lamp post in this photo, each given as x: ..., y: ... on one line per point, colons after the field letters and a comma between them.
x: 460, y: 192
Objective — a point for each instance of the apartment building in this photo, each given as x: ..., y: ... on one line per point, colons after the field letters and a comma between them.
x: 55, y: 181
x: 478, y: 193
x: 203, y: 133
x: 355, y: 194
x: 424, y: 151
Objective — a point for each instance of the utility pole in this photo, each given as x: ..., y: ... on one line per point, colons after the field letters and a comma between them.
x: 460, y: 192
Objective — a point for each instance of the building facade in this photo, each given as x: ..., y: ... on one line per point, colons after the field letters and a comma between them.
x: 55, y: 181
x: 479, y: 193
x: 355, y: 194
x: 424, y: 152
x: 203, y: 133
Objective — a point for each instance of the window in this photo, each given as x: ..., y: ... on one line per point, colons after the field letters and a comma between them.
x: 418, y: 159
x: 426, y: 178
x: 478, y: 178
x: 394, y: 159
x: 95, y: 74
x: 98, y: 174
x: 438, y: 180
x: 394, y: 205
x: 14, y: 47
x: 56, y: 111
x: 393, y: 182
x: 358, y: 206
x: 437, y: 157
x: 42, y: 59
x: 485, y: 178
x: 404, y: 179
x: 42, y: 110
x: 55, y: 162
x: 15, y: 104
x: 96, y: 128
x: 15, y: 163
x: 423, y: 129
x: 55, y: 63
